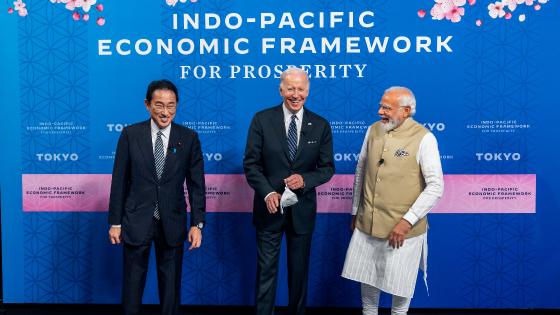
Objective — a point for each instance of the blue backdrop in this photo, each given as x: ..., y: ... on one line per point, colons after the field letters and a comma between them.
x: 58, y: 71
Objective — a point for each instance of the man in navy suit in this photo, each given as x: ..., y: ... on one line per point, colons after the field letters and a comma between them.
x: 287, y: 146
x: 147, y: 204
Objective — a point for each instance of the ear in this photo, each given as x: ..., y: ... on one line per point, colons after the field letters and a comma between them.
x: 406, y: 111
x: 147, y: 104
x: 280, y: 89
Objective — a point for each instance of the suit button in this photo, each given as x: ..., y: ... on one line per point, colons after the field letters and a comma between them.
x: 385, y: 150
x: 157, y: 186
x: 375, y: 210
x: 379, y: 179
x: 390, y: 135
x: 376, y: 196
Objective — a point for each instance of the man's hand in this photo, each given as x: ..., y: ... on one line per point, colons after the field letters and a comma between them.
x: 195, y: 237
x: 294, y: 182
x: 353, y: 224
x: 399, y: 232
x: 272, y: 202
x: 115, y: 235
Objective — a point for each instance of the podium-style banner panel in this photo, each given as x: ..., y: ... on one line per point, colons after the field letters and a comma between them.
x: 231, y: 193
x: 484, y: 74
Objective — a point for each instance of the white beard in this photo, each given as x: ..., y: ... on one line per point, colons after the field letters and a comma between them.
x: 391, y: 125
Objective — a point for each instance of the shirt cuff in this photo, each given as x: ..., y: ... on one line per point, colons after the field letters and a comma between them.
x: 115, y: 225
x: 411, y: 218
x: 268, y: 195
x: 354, y: 210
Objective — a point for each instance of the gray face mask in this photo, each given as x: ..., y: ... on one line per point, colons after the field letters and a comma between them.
x: 288, y: 199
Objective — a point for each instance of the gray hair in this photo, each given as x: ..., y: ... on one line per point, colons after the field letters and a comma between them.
x: 407, y: 98
x: 294, y: 70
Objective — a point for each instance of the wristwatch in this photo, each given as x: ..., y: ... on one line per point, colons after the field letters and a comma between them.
x: 200, y: 225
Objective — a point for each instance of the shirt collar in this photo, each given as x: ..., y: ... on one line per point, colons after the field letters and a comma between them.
x: 288, y: 114
x: 155, y: 129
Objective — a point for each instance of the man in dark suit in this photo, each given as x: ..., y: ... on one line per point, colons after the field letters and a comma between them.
x: 147, y: 203
x: 287, y: 145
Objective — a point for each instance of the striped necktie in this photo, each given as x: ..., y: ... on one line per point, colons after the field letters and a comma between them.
x: 160, y: 161
x: 292, y: 138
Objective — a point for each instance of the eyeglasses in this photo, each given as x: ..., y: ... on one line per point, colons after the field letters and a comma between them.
x: 170, y: 108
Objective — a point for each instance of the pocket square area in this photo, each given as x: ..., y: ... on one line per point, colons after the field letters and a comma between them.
x: 401, y: 152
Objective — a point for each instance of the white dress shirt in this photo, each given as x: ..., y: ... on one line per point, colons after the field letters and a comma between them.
x: 164, y: 138
x: 287, y: 122
x: 428, y: 159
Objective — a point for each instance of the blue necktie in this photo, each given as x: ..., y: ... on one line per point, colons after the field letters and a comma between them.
x: 160, y: 161
x: 292, y: 138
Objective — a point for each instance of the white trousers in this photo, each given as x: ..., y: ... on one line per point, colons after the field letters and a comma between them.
x: 370, y: 301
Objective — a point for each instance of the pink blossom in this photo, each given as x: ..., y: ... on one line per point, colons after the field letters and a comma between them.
x: 87, y: 4
x: 99, y: 7
x: 437, y: 12
x: 455, y: 14
x: 18, y: 5
x: 537, y: 6
x: 193, y: 0
x: 446, y: 5
x: 471, y: 2
x: 511, y: 4
x: 10, y: 10
x: 496, y: 9
x: 422, y: 13
x: 76, y: 15
x: 508, y: 16
x: 22, y: 11
x: 72, y: 4
x: 85, y: 17
x: 171, y: 2
x: 100, y: 21
x: 543, y: 1
x: 459, y: 3
x: 522, y: 17
x: 478, y: 22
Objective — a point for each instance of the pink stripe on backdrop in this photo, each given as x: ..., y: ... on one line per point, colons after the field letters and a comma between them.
x: 71, y: 192
x: 231, y: 193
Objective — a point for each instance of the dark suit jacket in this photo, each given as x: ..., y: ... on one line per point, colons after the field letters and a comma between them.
x: 135, y: 188
x: 267, y: 164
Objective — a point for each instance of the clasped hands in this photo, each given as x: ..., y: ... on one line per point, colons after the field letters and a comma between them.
x: 293, y: 182
x: 398, y: 234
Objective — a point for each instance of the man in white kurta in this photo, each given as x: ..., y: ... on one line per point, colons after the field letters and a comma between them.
x: 384, y: 254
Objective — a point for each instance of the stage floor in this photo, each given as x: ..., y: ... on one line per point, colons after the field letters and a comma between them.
x: 49, y: 309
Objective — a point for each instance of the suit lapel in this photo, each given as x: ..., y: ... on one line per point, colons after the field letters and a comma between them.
x: 145, y: 142
x: 307, y: 128
x: 278, y: 123
x: 170, y: 157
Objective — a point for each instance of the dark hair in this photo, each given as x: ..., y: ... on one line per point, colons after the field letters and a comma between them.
x: 161, y: 85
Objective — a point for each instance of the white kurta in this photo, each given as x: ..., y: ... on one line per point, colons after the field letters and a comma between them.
x: 370, y: 259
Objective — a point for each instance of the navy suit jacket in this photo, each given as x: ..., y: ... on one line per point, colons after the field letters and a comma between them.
x: 267, y: 164
x: 135, y: 188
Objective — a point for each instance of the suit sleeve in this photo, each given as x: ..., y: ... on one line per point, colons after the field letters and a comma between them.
x: 325, y: 164
x: 252, y: 162
x: 196, y: 185
x: 119, y: 180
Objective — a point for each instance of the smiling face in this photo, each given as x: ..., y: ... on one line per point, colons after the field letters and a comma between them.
x: 391, y: 113
x: 162, y: 107
x: 294, y: 90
